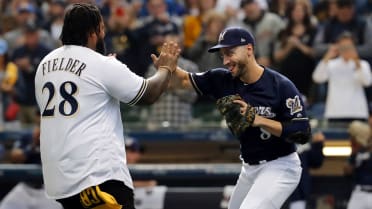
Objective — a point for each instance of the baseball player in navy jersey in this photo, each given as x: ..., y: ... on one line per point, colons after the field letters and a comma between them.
x: 360, y: 166
x: 78, y: 90
x: 271, y: 167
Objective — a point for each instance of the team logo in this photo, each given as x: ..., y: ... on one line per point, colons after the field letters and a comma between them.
x: 294, y: 104
x: 221, y: 36
x: 264, y: 111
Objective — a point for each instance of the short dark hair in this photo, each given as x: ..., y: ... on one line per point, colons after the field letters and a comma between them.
x: 245, y: 2
x: 80, y: 20
x: 344, y: 3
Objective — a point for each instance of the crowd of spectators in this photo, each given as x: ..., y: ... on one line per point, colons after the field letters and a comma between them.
x: 323, y: 46
x: 293, y: 37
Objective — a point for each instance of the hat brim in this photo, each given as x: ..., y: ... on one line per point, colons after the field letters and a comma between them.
x: 218, y: 47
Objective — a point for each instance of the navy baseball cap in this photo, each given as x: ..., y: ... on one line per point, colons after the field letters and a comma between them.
x: 233, y: 36
x: 133, y: 144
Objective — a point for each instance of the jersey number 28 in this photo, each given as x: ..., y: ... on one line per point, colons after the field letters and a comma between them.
x: 67, y: 90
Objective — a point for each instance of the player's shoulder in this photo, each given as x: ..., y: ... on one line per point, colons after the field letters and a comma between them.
x: 223, y: 72
x: 215, y: 75
x: 278, y: 78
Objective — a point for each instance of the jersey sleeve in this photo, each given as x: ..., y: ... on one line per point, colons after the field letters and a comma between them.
x: 121, y: 83
x: 208, y: 83
x: 292, y: 102
x: 294, y: 119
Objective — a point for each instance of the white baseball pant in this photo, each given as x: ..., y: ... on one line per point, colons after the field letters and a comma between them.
x: 299, y: 204
x: 360, y: 199
x: 267, y: 185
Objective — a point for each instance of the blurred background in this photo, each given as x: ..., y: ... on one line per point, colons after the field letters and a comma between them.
x: 183, y: 155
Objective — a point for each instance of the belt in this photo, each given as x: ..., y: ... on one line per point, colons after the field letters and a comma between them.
x: 265, y: 160
x: 364, y: 188
x: 258, y: 162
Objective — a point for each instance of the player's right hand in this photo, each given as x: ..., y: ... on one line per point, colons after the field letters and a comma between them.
x: 168, y: 57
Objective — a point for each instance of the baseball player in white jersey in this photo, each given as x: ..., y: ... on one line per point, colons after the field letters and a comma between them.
x: 78, y: 90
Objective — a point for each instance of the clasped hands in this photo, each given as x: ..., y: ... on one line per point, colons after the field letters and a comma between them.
x: 168, y: 57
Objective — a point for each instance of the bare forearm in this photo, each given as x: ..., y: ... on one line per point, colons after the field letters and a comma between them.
x: 181, y: 79
x: 272, y: 126
x: 306, y: 49
x: 156, y: 85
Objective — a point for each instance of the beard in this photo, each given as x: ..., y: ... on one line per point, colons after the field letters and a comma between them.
x: 100, y: 46
x: 240, y: 70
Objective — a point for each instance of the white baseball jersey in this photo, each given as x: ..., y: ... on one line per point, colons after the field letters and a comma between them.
x: 82, y: 140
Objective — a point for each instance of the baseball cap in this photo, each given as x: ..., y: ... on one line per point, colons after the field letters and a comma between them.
x: 233, y: 36
x: 132, y: 144
x: 360, y: 131
x: 3, y: 46
x: 26, y: 7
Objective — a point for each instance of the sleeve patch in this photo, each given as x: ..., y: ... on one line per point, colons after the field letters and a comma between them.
x: 294, y: 105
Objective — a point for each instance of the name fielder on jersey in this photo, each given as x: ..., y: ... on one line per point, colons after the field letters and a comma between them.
x: 74, y: 66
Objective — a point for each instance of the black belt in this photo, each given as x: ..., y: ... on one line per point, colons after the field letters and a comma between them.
x: 258, y: 162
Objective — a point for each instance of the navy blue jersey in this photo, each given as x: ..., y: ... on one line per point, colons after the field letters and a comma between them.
x: 273, y: 96
x: 362, y: 162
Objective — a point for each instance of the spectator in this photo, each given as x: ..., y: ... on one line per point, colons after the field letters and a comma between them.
x: 230, y: 8
x: 146, y: 39
x: 311, y: 155
x: 293, y: 50
x: 147, y: 193
x: 347, y: 75
x: 55, y: 22
x: 193, y: 24
x: 263, y: 25
x: 28, y: 194
x: 214, y: 23
x: 119, y: 20
x: 360, y: 165
x: 9, y: 77
x: 134, y: 151
x: 174, y: 8
x: 345, y: 19
x: 3, y: 49
x: 192, y: 7
x: 26, y: 14
x: 174, y: 107
x: 27, y: 57
x: 279, y: 7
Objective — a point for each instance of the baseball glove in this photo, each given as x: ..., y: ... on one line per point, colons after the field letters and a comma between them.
x: 236, y: 122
